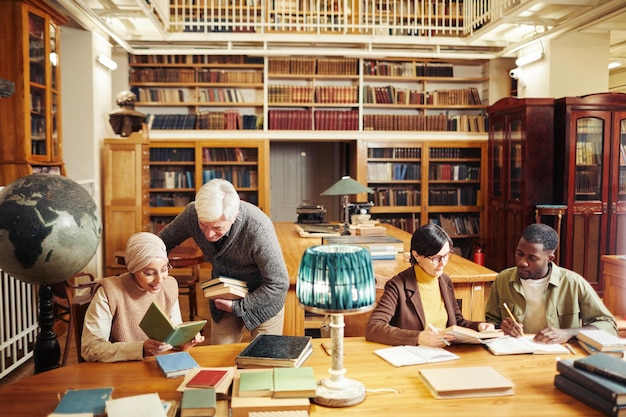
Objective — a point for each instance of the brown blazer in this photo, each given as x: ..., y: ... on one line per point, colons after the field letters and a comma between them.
x: 398, y: 317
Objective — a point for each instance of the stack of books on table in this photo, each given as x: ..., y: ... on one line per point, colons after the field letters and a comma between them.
x: 224, y: 287
x: 269, y: 351
x: 597, y: 380
x: 275, y: 389
x: 594, y: 341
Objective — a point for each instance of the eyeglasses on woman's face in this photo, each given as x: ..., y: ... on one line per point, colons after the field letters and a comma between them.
x: 438, y: 259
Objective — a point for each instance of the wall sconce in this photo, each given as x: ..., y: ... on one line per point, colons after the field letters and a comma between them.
x: 106, y: 62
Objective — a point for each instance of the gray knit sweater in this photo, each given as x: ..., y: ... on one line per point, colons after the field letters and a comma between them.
x: 250, y: 252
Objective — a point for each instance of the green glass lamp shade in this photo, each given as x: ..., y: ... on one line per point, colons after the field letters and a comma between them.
x: 336, y: 279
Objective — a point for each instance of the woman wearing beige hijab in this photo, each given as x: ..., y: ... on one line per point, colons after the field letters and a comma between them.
x: 111, y: 331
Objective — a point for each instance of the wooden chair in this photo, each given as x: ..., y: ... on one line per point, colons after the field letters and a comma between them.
x: 187, y: 286
x: 79, y: 290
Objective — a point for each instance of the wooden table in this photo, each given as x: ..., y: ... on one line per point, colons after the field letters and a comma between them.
x: 533, y: 376
x: 613, y: 270
x: 470, y: 279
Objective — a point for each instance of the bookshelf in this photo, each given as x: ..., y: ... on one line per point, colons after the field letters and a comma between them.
x: 30, y: 120
x: 184, y: 92
x: 178, y: 168
x: 590, y: 180
x: 224, y: 93
x: 417, y: 182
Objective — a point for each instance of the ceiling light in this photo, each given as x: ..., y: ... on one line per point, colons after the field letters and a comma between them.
x: 527, y: 59
x: 106, y: 62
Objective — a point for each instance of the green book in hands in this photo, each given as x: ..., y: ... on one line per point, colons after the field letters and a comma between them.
x: 157, y: 325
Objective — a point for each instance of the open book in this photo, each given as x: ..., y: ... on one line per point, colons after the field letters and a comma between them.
x: 517, y: 345
x: 470, y: 336
x: 414, y: 355
x: 157, y: 325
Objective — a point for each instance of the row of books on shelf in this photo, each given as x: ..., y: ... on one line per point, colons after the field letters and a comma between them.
x: 309, y: 66
x: 587, y: 182
x: 308, y: 120
x: 160, y: 178
x: 407, y: 69
x: 339, y: 94
x: 188, y: 95
x: 426, y: 122
x: 457, y: 225
x: 208, y: 120
x: 229, y: 154
x: 454, y: 153
x: 622, y: 153
x: 206, y: 75
x: 163, y: 75
x: 622, y: 181
x: 240, y: 177
x: 588, y: 153
x: 453, y: 196
x: 170, y: 199
x: 394, y: 196
x: 393, y: 171
x: 393, y: 95
x: 171, y: 121
x: 194, y: 59
x: 453, y: 172
x: 236, y: 24
x: 395, y: 153
x: 172, y: 154
x: 406, y: 223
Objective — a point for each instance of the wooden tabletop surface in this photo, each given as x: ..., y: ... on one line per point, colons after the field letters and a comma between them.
x: 533, y: 376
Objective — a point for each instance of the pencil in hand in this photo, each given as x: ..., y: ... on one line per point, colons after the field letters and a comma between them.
x: 506, y: 307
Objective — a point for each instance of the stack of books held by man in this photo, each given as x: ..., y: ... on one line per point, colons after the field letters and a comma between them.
x: 597, y: 380
x: 596, y: 340
x: 271, y: 351
x: 224, y: 287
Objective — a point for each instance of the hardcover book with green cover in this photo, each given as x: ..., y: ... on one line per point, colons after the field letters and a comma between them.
x: 604, y: 387
x: 77, y: 401
x: 256, y: 384
x: 198, y: 402
x: 157, y: 325
x: 294, y: 382
x: 604, y: 364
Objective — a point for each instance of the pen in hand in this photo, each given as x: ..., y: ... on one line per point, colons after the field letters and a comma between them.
x: 435, y: 330
x: 506, y: 307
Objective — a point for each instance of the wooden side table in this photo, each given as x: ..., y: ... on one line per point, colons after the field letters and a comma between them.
x: 552, y: 210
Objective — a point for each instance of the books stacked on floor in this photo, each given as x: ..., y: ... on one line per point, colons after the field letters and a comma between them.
x: 271, y: 351
x: 596, y: 340
x: 277, y: 389
x: 224, y: 287
x: 597, y: 380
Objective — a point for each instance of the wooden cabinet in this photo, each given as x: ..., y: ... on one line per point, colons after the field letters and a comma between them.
x: 125, y: 174
x: 30, y: 120
x: 178, y: 168
x: 418, y: 182
x: 521, y: 152
x: 613, y: 269
x: 590, y: 175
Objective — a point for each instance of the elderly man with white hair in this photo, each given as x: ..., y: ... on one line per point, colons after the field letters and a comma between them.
x: 111, y: 330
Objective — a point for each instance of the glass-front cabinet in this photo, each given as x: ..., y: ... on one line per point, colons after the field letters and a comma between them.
x: 30, y: 120
x: 591, y: 175
x: 520, y: 172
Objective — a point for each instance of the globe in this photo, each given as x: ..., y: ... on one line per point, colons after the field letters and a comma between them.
x: 49, y: 228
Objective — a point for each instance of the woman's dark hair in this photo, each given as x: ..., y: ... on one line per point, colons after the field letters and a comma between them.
x: 428, y: 240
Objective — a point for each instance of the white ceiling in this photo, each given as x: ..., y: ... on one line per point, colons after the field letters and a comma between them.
x: 135, y: 25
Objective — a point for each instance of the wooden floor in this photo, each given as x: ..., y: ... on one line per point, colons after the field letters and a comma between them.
x: 60, y: 328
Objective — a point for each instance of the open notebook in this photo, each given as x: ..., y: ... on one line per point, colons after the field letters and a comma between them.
x: 414, y: 355
x: 517, y: 345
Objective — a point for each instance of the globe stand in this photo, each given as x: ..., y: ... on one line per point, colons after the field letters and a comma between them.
x: 47, y: 351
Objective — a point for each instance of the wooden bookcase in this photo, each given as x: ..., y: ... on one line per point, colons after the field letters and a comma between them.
x: 590, y: 178
x: 417, y: 182
x: 126, y: 178
x: 521, y: 155
x: 184, y: 92
x: 178, y: 168
x: 207, y: 92
x: 30, y: 120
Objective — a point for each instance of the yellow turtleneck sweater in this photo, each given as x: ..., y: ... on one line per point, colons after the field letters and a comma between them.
x: 434, y: 310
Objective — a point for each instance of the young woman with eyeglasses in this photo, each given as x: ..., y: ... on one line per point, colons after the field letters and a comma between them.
x: 420, y: 300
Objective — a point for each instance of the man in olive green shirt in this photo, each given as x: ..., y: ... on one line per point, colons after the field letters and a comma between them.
x: 551, y: 302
